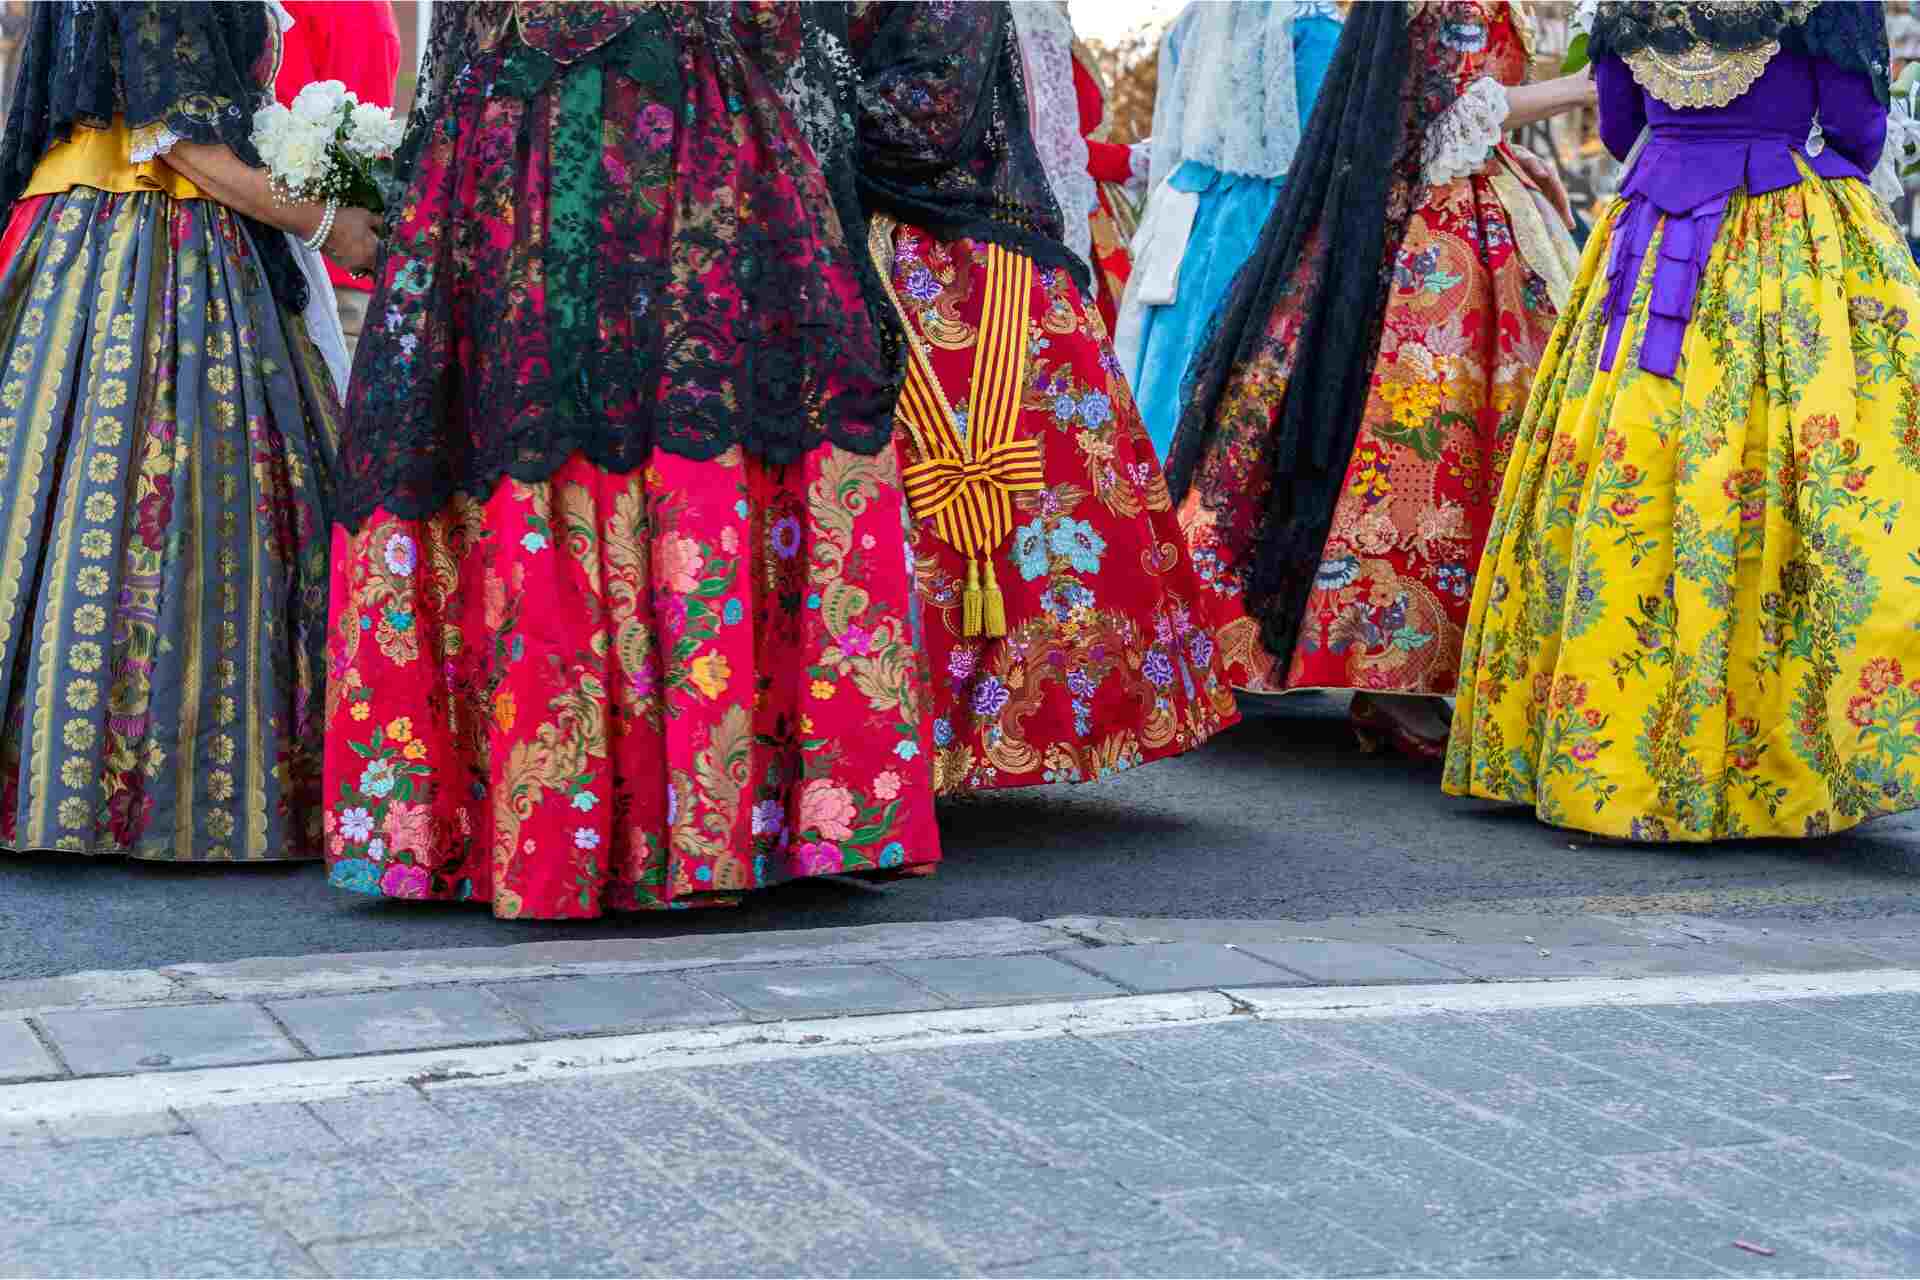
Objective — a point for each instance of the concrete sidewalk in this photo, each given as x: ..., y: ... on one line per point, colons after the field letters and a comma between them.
x: 1585, y: 1096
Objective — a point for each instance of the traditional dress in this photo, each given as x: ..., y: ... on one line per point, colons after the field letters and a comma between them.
x: 1235, y: 82
x: 166, y: 431
x: 621, y: 607
x: 1695, y: 617
x: 1062, y: 618
x: 1338, y: 463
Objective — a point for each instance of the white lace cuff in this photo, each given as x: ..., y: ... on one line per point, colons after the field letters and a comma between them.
x: 151, y: 142
x: 1461, y: 141
x: 1885, y: 178
x: 1900, y: 157
x: 1139, y: 167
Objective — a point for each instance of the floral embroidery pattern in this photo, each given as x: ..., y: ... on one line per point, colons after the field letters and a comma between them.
x: 1715, y: 558
x: 1107, y: 663
x: 671, y: 688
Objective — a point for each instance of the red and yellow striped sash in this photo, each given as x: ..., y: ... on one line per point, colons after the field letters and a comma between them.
x: 968, y: 473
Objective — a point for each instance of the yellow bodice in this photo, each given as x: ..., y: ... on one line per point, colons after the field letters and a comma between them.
x: 98, y: 158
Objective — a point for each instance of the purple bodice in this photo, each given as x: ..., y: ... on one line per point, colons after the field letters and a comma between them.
x: 1694, y: 159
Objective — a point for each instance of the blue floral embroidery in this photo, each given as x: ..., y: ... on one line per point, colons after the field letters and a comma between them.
x: 1077, y: 541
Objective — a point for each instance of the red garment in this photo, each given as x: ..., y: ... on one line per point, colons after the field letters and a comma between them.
x: 356, y: 42
x: 1106, y: 161
x: 1108, y: 661
x: 1111, y: 165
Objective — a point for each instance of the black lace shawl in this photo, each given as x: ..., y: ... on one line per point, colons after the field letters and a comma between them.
x: 1848, y: 33
x: 624, y: 228
x: 1326, y: 253
x: 944, y: 142
x: 191, y: 67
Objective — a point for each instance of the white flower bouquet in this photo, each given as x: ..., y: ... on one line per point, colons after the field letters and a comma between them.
x: 328, y: 146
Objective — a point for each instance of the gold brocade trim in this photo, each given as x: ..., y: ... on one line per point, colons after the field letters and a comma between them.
x: 1701, y: 76
x: 967, y: 473
x: 1706, y: 75
x: 1543, y: 242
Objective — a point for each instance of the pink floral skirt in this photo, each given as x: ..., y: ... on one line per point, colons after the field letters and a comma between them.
x: 617, y: 692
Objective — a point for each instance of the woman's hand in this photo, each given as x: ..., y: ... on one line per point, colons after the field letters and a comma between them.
x: 354, y: 241
x: 1543, y: 176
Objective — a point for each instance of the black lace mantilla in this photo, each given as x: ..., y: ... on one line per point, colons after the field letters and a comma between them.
x: 943, y: 128
x: 1849, y: 33
x: 624, y: 228
x: 199, y: 70
x: 1325, y: 257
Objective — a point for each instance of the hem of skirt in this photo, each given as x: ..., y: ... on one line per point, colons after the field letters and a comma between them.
x: 955, y: 790
x: 687, y: 902
x: 134, y: 855
x: 1340, y: 688
x: 1676, y: 838
x: 600, y: 910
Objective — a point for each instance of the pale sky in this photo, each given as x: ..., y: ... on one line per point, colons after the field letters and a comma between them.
x: 1110, y: 19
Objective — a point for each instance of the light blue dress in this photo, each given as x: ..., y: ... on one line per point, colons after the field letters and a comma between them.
x: 1233, y: 208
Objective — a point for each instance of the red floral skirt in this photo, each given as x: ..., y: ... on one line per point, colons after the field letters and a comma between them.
x: 1107, y: 661
x: 1466, y: 324
x: 617, y: 692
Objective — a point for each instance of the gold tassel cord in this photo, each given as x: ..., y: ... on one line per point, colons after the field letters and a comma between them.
x: 966, y: 477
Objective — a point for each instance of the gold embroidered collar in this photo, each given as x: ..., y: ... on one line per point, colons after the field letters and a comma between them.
x: 1702, y: 74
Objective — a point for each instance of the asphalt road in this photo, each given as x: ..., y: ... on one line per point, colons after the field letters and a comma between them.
x: 1280, y: 819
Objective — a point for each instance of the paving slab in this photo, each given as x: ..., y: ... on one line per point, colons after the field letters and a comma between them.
x: 1452, y: 926
x: 1005, y: 979
x: 393, y: 1021
x: 22, y: 1056
x: 261, y: 1134
x: 234, y: 1242
x: 810, y: 991
x: 1507, y: 961
x: 86, y: 990
x: 1898, y: 925
x: 371, y: 1119
x: 149, y: 1124
x: 1353, y: 964
x: 363, y: 971
x: 606, y: 1004
x: 1904, y: 952
x: 165, y: 1038
x: 1181, y: 966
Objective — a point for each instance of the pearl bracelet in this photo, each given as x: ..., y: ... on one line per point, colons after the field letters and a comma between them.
x: 325, y: 228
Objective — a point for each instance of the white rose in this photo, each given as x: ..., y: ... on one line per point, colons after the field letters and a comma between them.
x: 299, y: 162
x: 323, y: 100
x: 372, y: 132
x: 270, y: 125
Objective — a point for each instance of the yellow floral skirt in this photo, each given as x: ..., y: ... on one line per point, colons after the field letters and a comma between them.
x: 1693, y: 621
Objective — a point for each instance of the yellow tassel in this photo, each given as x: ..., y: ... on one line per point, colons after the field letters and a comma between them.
x: 970, y: 602
x: 995, y: 618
